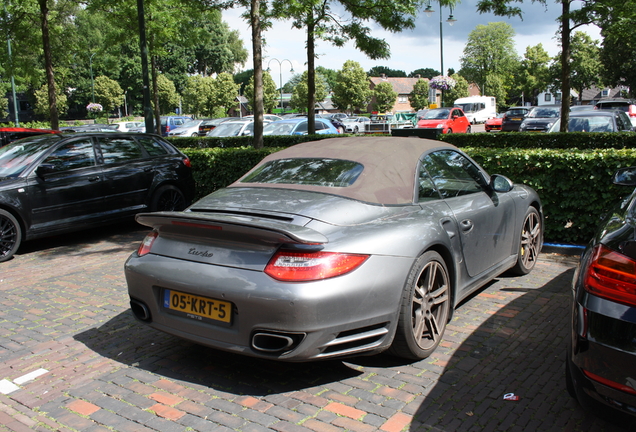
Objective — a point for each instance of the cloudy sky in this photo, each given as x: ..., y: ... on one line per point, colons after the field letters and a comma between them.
x: 410, y: 50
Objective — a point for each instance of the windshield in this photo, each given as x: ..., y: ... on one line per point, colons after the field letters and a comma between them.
x: 436, y: 114
x: 307, y: 171
x: 277, y: 128
x: 545, y: 113
x: 591, y: 124
x: 226, y: 130
x: 190, y: 123
x: 19, y: 155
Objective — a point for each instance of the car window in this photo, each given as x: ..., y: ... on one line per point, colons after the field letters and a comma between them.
x: 307, y: 171
x: 320, y: 125
x: 72, y: 155
x: 178, y: 122
x: 453, y: 174
x: 152, y: 146
x: 426, y: 188
x: 622, y: 122
x: 121, y: 149
x: 301, y: 128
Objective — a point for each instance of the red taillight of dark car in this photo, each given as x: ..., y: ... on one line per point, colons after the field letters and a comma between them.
x: 146, y: 244
x: 291, y: 266
x: 611, y: 275
x: 187, y: 162
x: 609, y: 383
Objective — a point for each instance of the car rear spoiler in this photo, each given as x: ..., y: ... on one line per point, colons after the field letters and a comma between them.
x: 261, y: 228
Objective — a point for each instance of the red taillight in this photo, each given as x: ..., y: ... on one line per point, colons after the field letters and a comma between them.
x: 611, y: 275
x: 310, y: 266
x: 146, y: 244
x: 187, y: 163
x: 609, y: 383
x: 632, y: 111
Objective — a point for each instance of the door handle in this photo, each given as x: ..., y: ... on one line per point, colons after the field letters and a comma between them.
x: 466, y: 225
x: 93, y: 179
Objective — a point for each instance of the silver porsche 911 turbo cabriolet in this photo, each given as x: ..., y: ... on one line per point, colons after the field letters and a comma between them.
x: 334, y: 248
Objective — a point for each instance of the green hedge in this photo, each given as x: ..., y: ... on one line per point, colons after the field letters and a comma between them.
x: 574, y: 185
x: 244, y: 141
x: 534, y: 140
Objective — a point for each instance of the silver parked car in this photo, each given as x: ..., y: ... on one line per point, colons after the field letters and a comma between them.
x: 334, y: 248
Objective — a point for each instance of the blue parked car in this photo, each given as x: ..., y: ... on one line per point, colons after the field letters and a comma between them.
x: 169, y: 123
x: 298, y: 126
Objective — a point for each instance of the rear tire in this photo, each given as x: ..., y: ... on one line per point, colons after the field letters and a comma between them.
x: 168, y: 198
x: 469, y: 129
x: 424, y: 309
x: 10, y: 235
x: 531, y: 242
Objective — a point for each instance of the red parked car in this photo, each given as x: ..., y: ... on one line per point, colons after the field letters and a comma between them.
x: 449, y: 120
x: 494, y: 123
x: 10, y: 134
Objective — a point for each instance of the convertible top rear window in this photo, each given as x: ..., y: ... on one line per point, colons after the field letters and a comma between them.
x: 318, y: 172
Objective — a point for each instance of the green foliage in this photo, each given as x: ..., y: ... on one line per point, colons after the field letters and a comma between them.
x: 271, y: 96
x: 459, y: 91
x: 385, y: 97
x: 419, y: 95
x: 108, y: 93
x: 197, y: 95
x: 378, y: 71
x: 585, y: 64
x: 575, y: 186
x: 300, y: 98
x: 225, y: 92
x: 42, y: 101
x: 490, y: 50
x: 351, y: 91
x: 167, y: 93
x: 424, y: 73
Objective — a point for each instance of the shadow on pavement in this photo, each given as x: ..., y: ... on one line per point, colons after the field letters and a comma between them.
x: 125, y: 340
x: 82, y: 242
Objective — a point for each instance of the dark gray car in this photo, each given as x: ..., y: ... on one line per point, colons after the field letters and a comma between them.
x: 540, y: 118
x: 334, y: 248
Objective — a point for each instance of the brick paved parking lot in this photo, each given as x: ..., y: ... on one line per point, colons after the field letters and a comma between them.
x: 72, y: 358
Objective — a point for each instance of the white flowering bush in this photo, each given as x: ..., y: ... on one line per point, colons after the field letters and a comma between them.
x: 441, y: 82
x: 94, y: 108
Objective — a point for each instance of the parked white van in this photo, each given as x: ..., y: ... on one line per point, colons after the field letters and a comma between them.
x: 478, y: 109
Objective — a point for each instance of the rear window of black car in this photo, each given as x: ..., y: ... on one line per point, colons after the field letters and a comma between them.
x: 317, y: 172
x: 116, y: 150
x: 152, y: 146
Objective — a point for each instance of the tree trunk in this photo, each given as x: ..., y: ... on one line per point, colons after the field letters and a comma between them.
x: 311, y: 80
x: 155, y: 94
x: 48, y: 65
x: 565, y: 65
x: 257, y: 58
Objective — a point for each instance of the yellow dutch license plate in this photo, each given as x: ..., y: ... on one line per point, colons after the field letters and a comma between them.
x: 197, y: 307
x: 516, y: 118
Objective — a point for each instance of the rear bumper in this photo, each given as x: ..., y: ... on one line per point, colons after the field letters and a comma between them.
x: 341, y: 316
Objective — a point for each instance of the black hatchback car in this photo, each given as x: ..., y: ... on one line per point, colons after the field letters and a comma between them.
x: 513, y: 117
x: 50, y: 184
x: 601, y: 358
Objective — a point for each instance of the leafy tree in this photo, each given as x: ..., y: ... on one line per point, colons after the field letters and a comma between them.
x: 497, y: 89
x: 490, y: 50
x: 197, y: 94
x: 424, y: 73
x: 300, y: 97
x: 330, y: 76
x: 242, y: 78
x: 319, y: 21
x: 534, y: 73
x: 351, y: 91
x: 377, y: 71
x: 586, y: 64
x: 225, y: 92
x: 166, y: 94
x: 42, y: 102
x: 617, y: 20
x: 108, y: 93
x: 419, y: 95
x: 271, y: 96
x: 568, y: 21
x: 385, y: 97
x: 459, y: 91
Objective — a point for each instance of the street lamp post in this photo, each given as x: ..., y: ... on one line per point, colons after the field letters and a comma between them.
x: 90, y: 65
x: 451, y: 20
x: 280, y: 76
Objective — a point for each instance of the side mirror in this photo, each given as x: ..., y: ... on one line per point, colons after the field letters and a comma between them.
x: 44, y: 169
x: 500, y: 183
x: 625, y: 177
